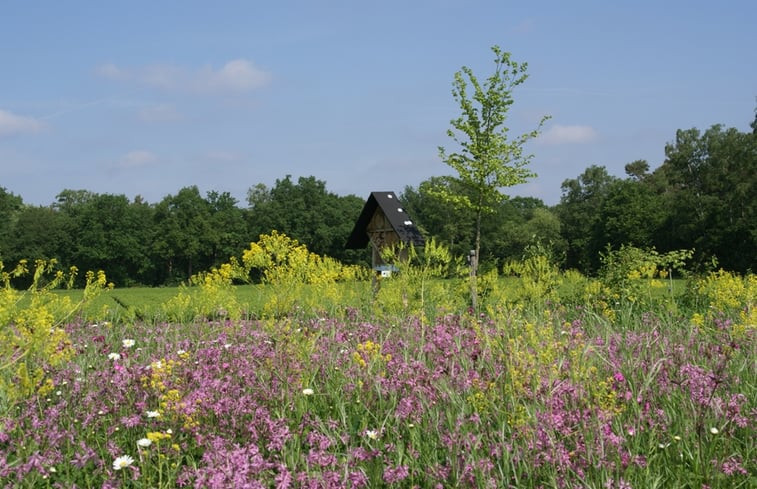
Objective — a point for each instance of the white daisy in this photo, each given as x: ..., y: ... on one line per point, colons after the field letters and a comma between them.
x: 122, y: 462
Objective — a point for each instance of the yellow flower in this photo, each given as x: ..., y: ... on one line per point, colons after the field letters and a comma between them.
x: 156, y: 436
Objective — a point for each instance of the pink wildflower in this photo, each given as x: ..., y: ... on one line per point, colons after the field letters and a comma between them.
x: 396, y: 475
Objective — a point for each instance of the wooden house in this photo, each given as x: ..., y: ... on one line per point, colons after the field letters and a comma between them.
x: 383, y: 222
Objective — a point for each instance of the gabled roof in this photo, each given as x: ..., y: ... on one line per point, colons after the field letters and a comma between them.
x: 395, y: 214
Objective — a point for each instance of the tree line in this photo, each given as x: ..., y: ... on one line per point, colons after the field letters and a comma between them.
x: 702, y: 197
x: 138, y: 243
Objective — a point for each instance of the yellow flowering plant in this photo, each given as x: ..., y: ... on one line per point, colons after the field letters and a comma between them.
x: 303, y: 280
x: 540, y: 277
x: 416, y: 288
x: 725, y: 295
x: 31, y: 325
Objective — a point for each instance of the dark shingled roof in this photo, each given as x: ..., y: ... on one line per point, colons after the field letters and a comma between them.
x: 395, y: 214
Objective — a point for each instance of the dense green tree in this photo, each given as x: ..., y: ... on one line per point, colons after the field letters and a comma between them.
x: 307, y: 212
x: 108, y: 232
x: 544, y: 227
x: 630, y: 214
x: 38, y: 233
x: 638, y: 170
x: 144, y: 269
x: 258, y: 195
x: 229, y: 235
x: 579, y: 211
x: 517, y: 223
x: 71, y: 201
x: 182, y: 230
x: 109, y: 237
x: 10, y: 206
x: 712, y: 193
x: 488, y: 158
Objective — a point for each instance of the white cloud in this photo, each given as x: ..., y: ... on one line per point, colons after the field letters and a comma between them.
x: 558, y: 134
x: 236, y: 76
x: 11, y: 124
x: 137, y: 158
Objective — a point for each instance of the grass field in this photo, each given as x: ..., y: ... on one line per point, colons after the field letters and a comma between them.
x: 147, y: 302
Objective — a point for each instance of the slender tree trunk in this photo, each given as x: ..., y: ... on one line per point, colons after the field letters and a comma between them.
x: 474, y: 263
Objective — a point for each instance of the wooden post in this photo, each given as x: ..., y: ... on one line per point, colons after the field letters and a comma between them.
x: 473, y: 260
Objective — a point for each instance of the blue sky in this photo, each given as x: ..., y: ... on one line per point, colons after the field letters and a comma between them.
x: 144, y: 98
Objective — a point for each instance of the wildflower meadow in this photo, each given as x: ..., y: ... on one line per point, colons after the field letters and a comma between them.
x: 556, y: 381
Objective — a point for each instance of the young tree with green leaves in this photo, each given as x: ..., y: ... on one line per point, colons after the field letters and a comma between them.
x: 488, y: 159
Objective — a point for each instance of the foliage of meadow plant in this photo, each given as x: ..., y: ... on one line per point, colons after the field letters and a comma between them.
x: 540, y: 276
x: 416, y: 288
x: 291, y: 269
x: 627, y: 272
x: 534, y: 393
x: 303, y: 281
x: 32, y: 334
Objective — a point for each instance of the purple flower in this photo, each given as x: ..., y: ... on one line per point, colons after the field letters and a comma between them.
x: 397, y: 474
x: 357, y: 479
x: 284, y: 478
x: 733, y: 466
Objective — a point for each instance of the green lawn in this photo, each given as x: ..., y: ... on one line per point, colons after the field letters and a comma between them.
x: 146, y: 302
